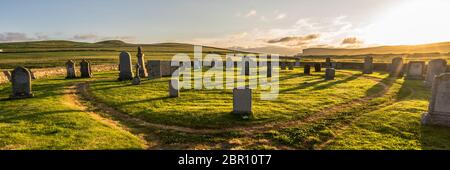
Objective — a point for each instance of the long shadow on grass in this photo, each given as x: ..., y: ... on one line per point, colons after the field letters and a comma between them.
x: 13, y: 117
x: 333, y: 83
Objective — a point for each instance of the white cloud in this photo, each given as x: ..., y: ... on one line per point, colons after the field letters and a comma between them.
x: 250, y: 13
x: 280, y: 16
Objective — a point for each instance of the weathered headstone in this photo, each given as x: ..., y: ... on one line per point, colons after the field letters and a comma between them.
x: 317, y: 67
x: 154, y: 69
x: 307, y: 69
x: 85, y: 69
x: 368, y: 65
x: 439, y: 107
x: 70, y: 66
x: 290, y: 65
x: 328, y: 62
x: 21, y: 83
x: 415, y: 70
x: 242, y: 101
x: 330, y: 73
x: 174, y: 87
x: 396, y: 67
x: 137, y: 78
x: 141, y: 61
x: 435, y: 67
x: 126, y: 72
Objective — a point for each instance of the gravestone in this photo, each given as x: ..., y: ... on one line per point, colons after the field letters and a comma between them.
x: 166, y: 68
x: 307, y: 69
x: 291, y: 66
x: 368, y: 65
x: 269, y: 68
x: 70, y: 66
x: 330, y: 73
x: 396, y: 67
x: 246, y: 69
x: 328, y: 62
x: 439, y: 107
x: 154, y: 69
x: 242, y: 101
x: 415, y: 70
x: 283, y: 65
x: 125, y: 67
x: 85, y: 69
x: 141, y: 61
x: 21, y: 83
x: 174, y: 87
x: 435, y: 67
x: 137, y: 78
x: 317, y: 67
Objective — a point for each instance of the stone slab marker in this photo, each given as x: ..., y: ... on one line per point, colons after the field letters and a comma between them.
x: 70, y: 66
x: 307, y: 69
x: 396, y: 67
x: 242, y: 101
x: 141, y: 61
x: 21, y: 83
x: 317, y: 67
x: 439, y: 107
x: 125, y: 68
x: 435, y: 67
x: 368, y: 65
x: 85, y: 69
x: 154, y: 69
x: 415, y: 70
x: 330, y: 73
x: 174, y: 87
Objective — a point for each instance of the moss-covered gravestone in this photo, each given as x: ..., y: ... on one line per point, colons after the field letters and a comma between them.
x: 21, y: 83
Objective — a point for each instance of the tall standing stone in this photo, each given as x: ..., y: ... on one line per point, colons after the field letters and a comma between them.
x: 70, y: 67
x: 174, y: 87
x: 154, y: 69
x: 396, y: 67
x: 21, y: 83
x: 125, y: 69
x: 415, y: 70
x: 317, y: 67
x: 242, y: 101
x: 141, y: 61
x: 330, y: 73
x: 439, y: 107
x: 435, y: 67
x: 368, y: 65
x: 307, y: 69
x: 85, y: 69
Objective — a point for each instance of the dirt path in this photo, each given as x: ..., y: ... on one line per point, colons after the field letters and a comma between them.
x: 82, y: 90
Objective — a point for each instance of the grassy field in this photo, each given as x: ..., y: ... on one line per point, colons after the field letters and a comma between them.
x: 352, y: 112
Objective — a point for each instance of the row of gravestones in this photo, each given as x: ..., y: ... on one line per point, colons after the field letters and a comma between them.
x: 417, y: 70
x: 85, y: 69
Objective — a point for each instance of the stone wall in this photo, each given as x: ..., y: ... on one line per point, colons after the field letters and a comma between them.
x: 58, y: 71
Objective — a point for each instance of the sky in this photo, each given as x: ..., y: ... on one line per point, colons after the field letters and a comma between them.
x: 290, y: 25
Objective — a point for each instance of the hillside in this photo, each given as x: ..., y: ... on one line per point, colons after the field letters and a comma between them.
x: 443, y: 47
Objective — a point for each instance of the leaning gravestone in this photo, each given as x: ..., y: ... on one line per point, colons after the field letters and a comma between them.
x: 125, y: 66
x: 330, y: 73
x: 415, y: 70
x: 307, y: 69
x: 154, y: 69
x: 70, y: 66
x: 368, y: 65
x: 435, y: 67
x: 396, y: 67
x: 174, y: 87
x: 137, y: 78
x: 21, y: 83
x: 439, y: 107
x: 317, y: 67
x: 85, y: 69
x: 242, y: 101
x: 291, y: 66
x: 142, y: 70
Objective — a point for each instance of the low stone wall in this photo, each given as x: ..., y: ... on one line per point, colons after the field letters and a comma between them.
x: 57, y: 71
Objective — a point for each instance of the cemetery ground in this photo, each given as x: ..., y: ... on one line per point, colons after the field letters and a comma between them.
x: 354, y: 111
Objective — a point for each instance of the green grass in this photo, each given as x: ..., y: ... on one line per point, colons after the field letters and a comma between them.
x: 46, y: 122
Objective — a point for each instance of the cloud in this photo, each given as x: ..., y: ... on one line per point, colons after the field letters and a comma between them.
x: 351, y: 41
x: 250, y: 13
x: 280, y: 16
x: 296, y: 39
x: 14, y: 36
x: 85, y: 37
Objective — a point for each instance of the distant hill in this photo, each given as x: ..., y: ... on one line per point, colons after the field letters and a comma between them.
x: 443, y: 47
x: 269, y: 50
